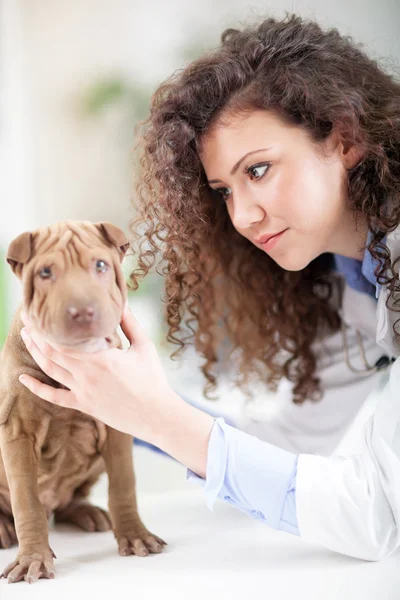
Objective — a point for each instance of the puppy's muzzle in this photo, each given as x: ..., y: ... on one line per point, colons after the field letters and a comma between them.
x: 81, y: 315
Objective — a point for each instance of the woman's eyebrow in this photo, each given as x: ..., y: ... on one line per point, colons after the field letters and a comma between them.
x: 239, y: 162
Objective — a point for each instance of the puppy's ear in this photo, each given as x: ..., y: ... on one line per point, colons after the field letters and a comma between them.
x: 115, y: 236
x: 19, y: 252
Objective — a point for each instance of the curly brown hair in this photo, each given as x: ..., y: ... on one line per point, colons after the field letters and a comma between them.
x: 218, y: 284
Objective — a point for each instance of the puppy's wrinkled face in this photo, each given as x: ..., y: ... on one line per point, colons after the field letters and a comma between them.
x: 73, y: 285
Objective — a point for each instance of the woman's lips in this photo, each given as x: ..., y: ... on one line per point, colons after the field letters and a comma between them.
x: 269, y: 242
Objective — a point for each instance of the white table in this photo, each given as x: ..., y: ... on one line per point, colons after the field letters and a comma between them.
x: 211, y: 555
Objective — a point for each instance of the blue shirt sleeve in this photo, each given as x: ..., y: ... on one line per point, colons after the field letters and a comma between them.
x: 254, y: 476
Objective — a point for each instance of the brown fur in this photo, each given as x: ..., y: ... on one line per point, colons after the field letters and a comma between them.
x: 50, y: 456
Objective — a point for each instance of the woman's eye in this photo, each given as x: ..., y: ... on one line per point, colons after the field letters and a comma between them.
x: 224, y: 192
x: 45, y: 273
x: 258, y: 171
x: 101, y: 266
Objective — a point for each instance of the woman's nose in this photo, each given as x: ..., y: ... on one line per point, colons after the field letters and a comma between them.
x: 246, y: 212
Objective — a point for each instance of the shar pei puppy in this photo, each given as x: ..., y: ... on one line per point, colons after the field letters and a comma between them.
x: 74, y: 293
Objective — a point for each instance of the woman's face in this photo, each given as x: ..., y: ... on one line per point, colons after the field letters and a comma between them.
x: 275, y: 180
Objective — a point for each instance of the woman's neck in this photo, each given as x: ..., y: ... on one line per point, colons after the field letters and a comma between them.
x: 352, y: 238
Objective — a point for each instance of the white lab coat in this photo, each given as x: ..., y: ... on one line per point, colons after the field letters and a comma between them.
x: 348, y: 478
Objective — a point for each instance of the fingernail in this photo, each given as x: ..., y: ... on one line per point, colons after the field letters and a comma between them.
x: 22, y: 379
x: 25, y: 334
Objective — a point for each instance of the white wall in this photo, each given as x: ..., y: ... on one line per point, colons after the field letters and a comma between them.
x: 16, y: 169
x: 17, y: 201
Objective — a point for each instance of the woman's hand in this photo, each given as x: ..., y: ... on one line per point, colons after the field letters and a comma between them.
x: 126, y: 389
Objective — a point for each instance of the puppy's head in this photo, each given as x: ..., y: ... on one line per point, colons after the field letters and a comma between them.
x: 73, y: 284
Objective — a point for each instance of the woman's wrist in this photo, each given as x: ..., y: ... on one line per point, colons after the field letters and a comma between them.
x: 183, y: 432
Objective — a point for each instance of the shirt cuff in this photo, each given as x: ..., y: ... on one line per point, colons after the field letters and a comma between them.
x: 288, y: 520
x: 252, y: 475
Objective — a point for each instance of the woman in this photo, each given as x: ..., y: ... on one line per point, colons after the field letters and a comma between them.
x: 270, y: 185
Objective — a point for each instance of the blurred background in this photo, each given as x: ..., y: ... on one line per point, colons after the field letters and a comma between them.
x: 75, y: 77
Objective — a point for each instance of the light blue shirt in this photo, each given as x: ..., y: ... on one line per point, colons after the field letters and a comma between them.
x: 255, y: 476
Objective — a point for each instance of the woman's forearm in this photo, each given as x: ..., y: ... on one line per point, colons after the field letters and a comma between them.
x: 183, y: 432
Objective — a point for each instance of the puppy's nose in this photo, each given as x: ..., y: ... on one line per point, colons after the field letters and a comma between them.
x: 82, y: 315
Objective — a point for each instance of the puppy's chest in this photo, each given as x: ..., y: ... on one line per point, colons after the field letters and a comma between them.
x: 72, y: 447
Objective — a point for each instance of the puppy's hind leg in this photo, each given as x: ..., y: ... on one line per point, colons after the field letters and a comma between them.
x: 82, y: 513
x: 8, y: 536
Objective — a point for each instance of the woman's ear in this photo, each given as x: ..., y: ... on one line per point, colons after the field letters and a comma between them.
x: 351, y: 155
x: 350, y: 152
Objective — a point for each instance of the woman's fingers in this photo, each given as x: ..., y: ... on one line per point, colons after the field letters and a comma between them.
x: 64, y: 358
x: 25, y: 319
x: 132, y: 328
x: 57, y: 396
x: 48, y: 366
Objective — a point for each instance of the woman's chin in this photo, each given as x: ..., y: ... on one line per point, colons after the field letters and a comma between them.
x: 293, y: 262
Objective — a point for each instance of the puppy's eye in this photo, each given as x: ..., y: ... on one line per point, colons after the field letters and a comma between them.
x: 45, y: 273
x: 101, y: 266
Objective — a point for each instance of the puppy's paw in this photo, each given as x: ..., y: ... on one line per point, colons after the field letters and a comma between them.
x: 86, y: 516
x: 31, y: 566
x: 8, y: 537
x: 141, y: 543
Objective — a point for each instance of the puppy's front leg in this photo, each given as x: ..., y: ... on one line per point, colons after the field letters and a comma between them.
x: 35, y: 557
x: 130, y: 533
